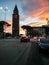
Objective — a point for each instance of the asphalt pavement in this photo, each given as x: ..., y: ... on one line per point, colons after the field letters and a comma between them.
x: 13, y: 52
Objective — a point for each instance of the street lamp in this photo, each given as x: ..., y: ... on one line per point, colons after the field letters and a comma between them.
x: 5, y: 11
x: 47, y: 21
x: 1, y: 8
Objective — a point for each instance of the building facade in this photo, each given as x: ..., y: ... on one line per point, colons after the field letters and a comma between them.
x: 15, y: 22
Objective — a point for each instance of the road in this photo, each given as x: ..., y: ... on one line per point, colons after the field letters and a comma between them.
x: 13, y: 52
x: 45, y: 58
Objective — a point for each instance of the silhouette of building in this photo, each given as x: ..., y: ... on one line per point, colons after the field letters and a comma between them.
x: 15, y: 22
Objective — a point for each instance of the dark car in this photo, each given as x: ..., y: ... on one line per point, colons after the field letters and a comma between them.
x: 25, y: 39
x: 44, y: 45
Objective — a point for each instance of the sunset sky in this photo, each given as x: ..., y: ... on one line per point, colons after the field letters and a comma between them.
x: 30, y: 11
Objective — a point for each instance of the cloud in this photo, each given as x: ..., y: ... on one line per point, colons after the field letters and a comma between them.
x: 35, y: 8
x: 28, y: 21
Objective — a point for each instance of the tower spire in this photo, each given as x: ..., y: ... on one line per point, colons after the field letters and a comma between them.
x: 15, y: 11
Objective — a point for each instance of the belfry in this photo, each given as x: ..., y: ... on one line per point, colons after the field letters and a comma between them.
x: 15, y: 22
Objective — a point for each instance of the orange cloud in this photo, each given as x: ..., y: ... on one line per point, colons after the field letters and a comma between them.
x: 8, y: 29
x: 9, y: 21
x: 37, y: 8
x: 39, y: 12
x: 43, y: 2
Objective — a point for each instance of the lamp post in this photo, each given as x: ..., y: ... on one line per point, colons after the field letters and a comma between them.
x: 5, y: 11
x: 47, y: 21
x: 1, y: 9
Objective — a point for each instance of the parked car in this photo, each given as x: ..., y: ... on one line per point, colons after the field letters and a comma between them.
x: 44, y: 45
x: 35, y: 38
x: 9, y: 37
x: 24, y: 39
x: 16, y: 37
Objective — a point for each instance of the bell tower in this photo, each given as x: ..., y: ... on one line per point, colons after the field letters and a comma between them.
x: 15, y: 22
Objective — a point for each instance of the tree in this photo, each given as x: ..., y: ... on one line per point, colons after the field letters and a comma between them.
x: 2, y: 24
x: 29, y: 29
